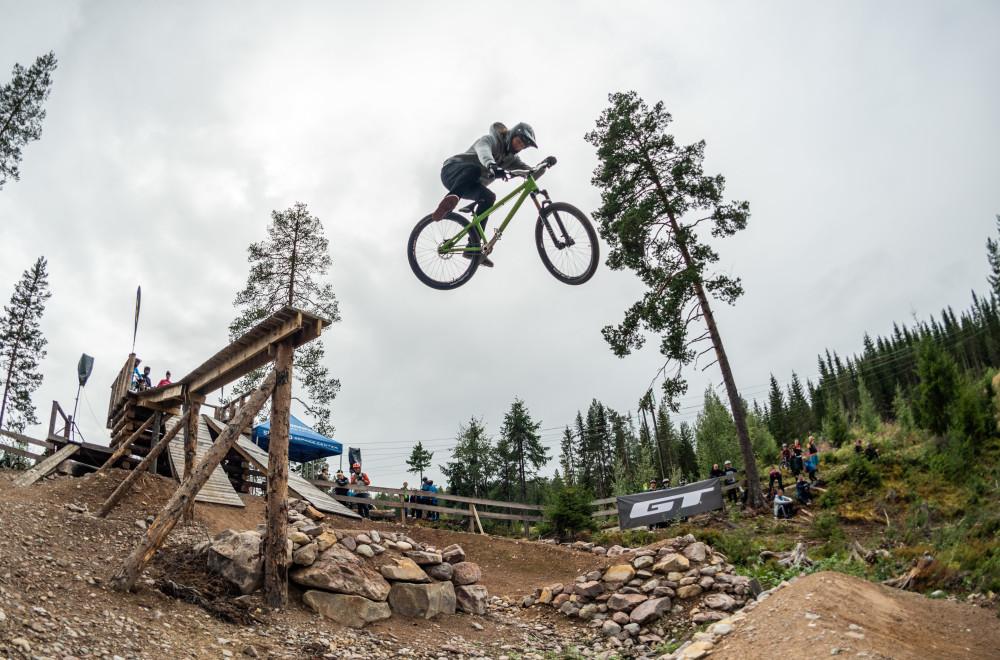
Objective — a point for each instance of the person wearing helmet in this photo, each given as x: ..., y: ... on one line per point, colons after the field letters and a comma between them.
x: 359, y: 477
x: 467, y: 175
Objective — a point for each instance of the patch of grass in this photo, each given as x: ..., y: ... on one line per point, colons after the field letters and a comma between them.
x: 629, y: 538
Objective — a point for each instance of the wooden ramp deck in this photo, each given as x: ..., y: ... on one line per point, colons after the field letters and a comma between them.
x: 296, y: 484
x: 218, y: 489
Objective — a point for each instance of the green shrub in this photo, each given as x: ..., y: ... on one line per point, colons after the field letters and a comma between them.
x: 569, y: 513
x: 826, y: 527
x: 860, y: 474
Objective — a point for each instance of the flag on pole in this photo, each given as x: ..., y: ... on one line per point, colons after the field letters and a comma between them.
x: 135, y: 327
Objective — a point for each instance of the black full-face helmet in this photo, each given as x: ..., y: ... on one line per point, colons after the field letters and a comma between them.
x: 525, y: 132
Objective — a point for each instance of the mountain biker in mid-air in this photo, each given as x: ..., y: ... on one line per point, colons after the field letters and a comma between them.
x: 467, y: 175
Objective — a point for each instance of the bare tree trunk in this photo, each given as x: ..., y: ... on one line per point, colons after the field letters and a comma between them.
x: 275, y: 544
x: 756, y: 498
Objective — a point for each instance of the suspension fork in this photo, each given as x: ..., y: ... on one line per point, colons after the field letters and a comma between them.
x: 541, y: 206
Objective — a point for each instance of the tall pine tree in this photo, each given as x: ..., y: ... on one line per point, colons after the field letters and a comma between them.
x: 22, y: 112
x: 22, y: 347
x: 520, y: 448
x: 419, y: 460
x: 471, y: 467
x: 654, y: 194
x: 290, y: 267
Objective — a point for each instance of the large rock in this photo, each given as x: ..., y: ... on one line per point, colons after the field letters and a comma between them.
x: 688, y: 591
x: 351, y: 611
x: 590, y: 589
x: 339, y: 571
x: 404, y: 570
x: 441, y: 572
x: 424, y: 558
x: 237, y: 558
x: 625, y: 602
x: 325, y: 540
x: 422, y: 601
x: 619, y: 573
x: 643, y: 562
x: 720, y: 602
x: 672, y: 562
x: 453, y: 554
x: 696, y: 552
x: 349, y: 543
x: 466, y: 572
x: 306, y: 555
x: 471, y: 598
x: 650, y: 610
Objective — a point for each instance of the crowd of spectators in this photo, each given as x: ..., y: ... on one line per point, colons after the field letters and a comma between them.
x: 141, y: 380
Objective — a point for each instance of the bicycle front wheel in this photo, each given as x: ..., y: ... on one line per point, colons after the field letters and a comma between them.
x: 567, y: 243
x: 437, y: 269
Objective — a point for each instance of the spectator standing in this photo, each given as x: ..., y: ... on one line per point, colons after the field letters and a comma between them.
x: 858, y: 449
x: 796, y: 463
x: 716, y: 471
x: 797, y: 449
x: 730, y: 480
x: 652, y: 485
x: 136, y: 375
x: 359, y: 477
x: 145, y: 382
x: 405, y: 498
x: 786, y: 456
x: 813, y: 449
x: 166, y: 381
x: 773, y: 476
x: 871, y: 452
x: 342, y: 483
x: 433, y: 501
x: 812, y: 464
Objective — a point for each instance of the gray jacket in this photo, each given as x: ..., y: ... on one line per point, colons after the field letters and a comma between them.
x: 494, y: 147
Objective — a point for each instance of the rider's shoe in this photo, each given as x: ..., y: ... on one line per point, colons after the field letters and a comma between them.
x: 483, y: 260
x: 445, y: 206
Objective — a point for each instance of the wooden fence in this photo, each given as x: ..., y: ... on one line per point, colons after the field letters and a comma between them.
x: 46, y: 446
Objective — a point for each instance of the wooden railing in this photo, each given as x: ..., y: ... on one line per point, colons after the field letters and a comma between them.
x: 120, y: 388
x: 47, y: 447
x: 56, y: 431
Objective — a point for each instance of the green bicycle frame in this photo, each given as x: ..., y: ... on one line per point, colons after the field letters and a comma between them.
x: 448, y: 247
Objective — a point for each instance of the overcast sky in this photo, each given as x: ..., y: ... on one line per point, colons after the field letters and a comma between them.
x: 864, y: 135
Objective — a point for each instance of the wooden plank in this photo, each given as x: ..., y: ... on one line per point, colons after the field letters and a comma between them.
x: 46, y: 466
x: 218, y: 489
x: 476, y: 514
x: 275, y: 551
x: 125, y: 577
x: 393, y: 504
x: 190, y: 448
x: 11, y: 449
x: 31, y: 441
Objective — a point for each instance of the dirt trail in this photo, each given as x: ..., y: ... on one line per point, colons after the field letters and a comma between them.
x: 825, y: 611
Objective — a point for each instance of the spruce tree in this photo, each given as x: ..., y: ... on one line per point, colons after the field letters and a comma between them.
x: 654, y: 195
x: 800, y: 416
x: 290, y: 267
x: 835, y: 427
x: 715, y: 434
x: 567, y: 457
x: 902, y: 410
x: 993, y: 257
x: 868, y: 416
x: 22, y: 112
x: 937, y: 386
x: 687, y: 460
x: 22, y: 348
x: 470, y: 470
x: 777, y: 416
x: 521, y: 447
x: 419, y: 460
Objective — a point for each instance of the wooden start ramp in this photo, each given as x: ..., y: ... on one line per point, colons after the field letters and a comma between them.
x: 218, y: 489
x: 296, y: 483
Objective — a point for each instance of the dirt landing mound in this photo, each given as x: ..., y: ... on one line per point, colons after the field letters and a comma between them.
x: 828, y: 614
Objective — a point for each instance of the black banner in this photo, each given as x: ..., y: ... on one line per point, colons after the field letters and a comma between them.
x: 83, y: 368
x: 658, y: 506
x: 353, y: 456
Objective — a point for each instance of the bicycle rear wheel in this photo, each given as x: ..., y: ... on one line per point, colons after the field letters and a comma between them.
x: 440, y: 271
x: 567, y: 243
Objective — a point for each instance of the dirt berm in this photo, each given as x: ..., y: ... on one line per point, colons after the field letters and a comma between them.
x: 829, y: 614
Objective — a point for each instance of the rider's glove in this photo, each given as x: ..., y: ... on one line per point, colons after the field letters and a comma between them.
x: 549, y: 161
x: 497, y: 172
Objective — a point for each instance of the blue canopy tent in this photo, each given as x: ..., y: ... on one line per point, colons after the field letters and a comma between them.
x: 304, y: 444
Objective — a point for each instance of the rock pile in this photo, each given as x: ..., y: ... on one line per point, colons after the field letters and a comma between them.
x: 352, y: 577
x: 630, y: 602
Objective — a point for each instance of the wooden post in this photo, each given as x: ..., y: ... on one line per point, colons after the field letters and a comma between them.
x: 193, y: 407
x: 125, y: 446
x: 126, y: 485
x: 275, y: 544
x: 125, y: 577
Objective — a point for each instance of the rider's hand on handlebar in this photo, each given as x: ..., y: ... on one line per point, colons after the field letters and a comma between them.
x: 549, y: 161
x: 497, y: 172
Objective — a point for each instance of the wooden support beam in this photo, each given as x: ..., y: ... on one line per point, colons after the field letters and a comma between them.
x: 125, y: 577
x: 125, y: 446
x: 275, y: 544
x: 46, y: 466
x: 126, y: 485
x: 190, y: 448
